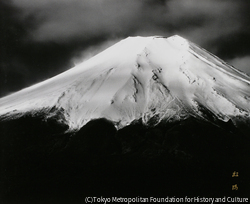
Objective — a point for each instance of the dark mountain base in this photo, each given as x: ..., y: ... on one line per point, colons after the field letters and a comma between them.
x: 40, y: 163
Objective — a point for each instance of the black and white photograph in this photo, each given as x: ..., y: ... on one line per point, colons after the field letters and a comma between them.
x: 124, y: 101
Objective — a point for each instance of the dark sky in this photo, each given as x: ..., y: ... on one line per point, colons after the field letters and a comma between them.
x: 41, y: 38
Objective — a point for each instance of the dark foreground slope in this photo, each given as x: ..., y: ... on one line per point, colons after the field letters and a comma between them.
x: 40, y: 163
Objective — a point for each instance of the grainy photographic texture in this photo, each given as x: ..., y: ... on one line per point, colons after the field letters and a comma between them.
x: 155, y: 116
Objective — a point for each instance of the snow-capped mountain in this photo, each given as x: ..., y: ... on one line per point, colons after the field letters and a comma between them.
x: 148, y: 78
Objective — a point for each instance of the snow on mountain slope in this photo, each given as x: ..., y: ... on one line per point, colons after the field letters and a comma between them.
x: 139, y: 77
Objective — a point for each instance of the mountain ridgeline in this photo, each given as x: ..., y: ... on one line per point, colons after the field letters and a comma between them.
x: 139, y: 78
x: 147, y: 117
x: 42, y: 162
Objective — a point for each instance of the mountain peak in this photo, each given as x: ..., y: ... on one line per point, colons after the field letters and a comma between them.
x: 149, y: 78
x: 178, y: 39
